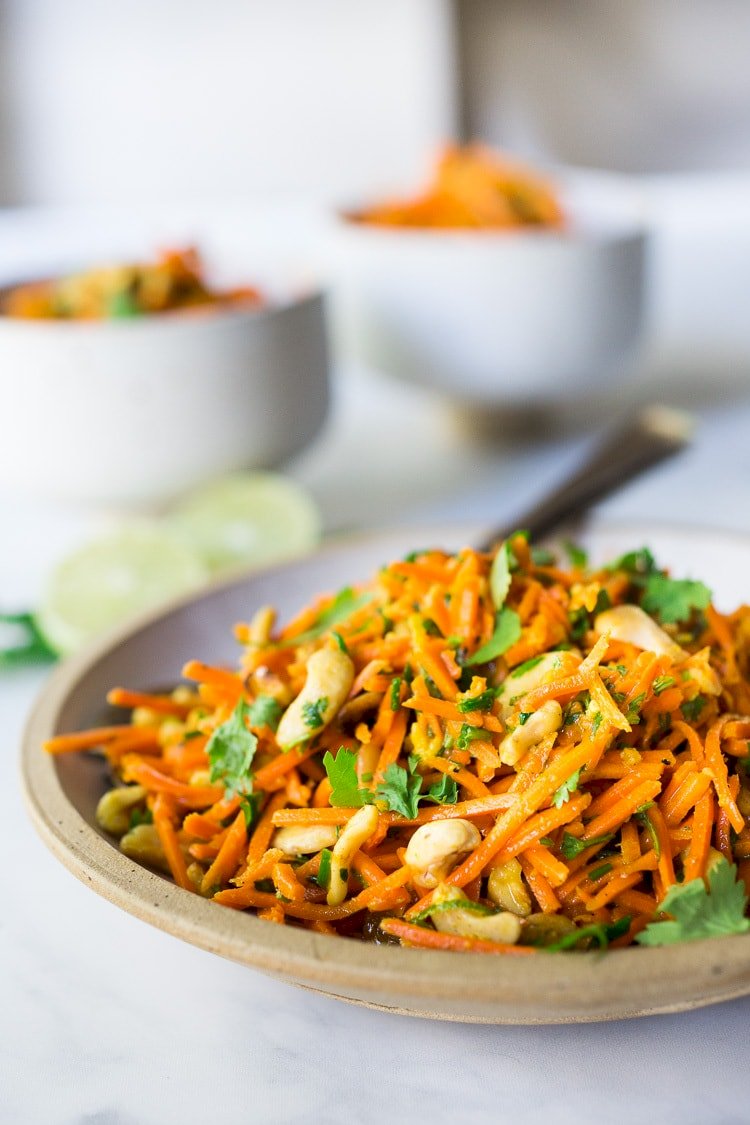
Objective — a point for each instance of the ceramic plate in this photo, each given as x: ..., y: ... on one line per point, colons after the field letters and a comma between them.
x: 548, y: 988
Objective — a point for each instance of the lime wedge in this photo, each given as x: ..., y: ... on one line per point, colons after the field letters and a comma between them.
x: 247, y: 519
x: 111, y: 579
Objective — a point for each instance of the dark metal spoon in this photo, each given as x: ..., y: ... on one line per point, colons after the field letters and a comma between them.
x: 651, y: 436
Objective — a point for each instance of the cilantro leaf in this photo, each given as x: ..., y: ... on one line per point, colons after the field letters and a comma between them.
x: 602, y: 934
x: 572, y: 846
x: 395, y: 693
x: 692, y: 708
x: 698, y: 912
x: 637, y: 563
x: 469, y: 734
x: 674, y: 599
x: 661, y: 683
x: 231, y: 749
x: 500, y: 574
x: 324, y: 870
x: 312, y: 713
x: 562, y: 795
x: 443, y: 792
x: 481, y: 702
x: 342, y: 607
x: 400, y: 791
x: 265, y: 711
x: 578, y: 557
x: 507, y: 631
x: 342, y: 774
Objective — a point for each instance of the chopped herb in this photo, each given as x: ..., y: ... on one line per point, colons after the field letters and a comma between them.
x: 641, y: 815
x: 596, y: 722
x: 692, y: 708
x: 189, y: 735
x: 231, y: 749
x: 700, y: 912
x: 661, y: 683
x: 481, y: 702
x: 122, y: 305
x: 500, y: 574
x: 621, y: 669
x: 526, y: 667
x: 507, y: 631
x: 578, y: 557
x: 414, y: 555
x: 443, y: 792
x: 567, y: 789
x: 600, y: 871
x: 547, y: 841
x: 637, y: 563
x: 395, y: 693
x: 265, y: 711
x: 524, y: 717
x: 541, y: 556
x: 634, y: 707
x: 579, y: 623
x: 342, y: 774
x: 469, y: 734
x: 30, y: 647
x: 400, y: 790
x: 572, y: 846
x: 312, y: 713
x: 140, y: 816
x: 602, y: 934
x: 323, y: 877
x: 340, y: 641
x: 250, y: 804
x: 603, y: 601
x: 452, y: 904
x: 341, y: 608
x: 672, y: 599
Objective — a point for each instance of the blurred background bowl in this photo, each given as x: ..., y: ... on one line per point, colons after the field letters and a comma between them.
x: 137, y: 411
x: 496, y: 317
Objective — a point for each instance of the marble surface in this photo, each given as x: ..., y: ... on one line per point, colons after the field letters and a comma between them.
x: 105, y: 1020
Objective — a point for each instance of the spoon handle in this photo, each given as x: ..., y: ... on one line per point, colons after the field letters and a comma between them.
x: 653, y: 435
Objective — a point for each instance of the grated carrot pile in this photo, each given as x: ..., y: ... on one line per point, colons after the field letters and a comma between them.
x: 477, y: 752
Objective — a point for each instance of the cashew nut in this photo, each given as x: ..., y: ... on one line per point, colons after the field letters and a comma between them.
x: 359, y: 829
x: 698, y: 670
x: 330, y: 674
x: 633, y: 625
x: 143, y: 844
x: 546, y: 929
x: 114, y: 808
x: 437, y: 847
x: 502, y: 927
x: 547, y: 720
x: 304, y: 839
x: 507, y: 889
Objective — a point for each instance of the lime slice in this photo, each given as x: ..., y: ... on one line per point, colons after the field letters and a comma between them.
x: 247, y: 519
x: 111, y: 579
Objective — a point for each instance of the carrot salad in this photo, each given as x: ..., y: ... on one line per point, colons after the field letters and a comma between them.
x: 173, y: 283
x: 479, y: 752
x: 473, y: 187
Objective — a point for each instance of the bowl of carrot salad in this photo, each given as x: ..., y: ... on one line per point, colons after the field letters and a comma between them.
x: 510, y: 754
x: 497, y: 284
x: 164, y: 380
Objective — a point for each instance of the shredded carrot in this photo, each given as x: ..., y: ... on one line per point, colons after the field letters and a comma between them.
x: 635, y: 782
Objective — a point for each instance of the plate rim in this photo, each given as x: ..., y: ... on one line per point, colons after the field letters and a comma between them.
x: 421, y: 981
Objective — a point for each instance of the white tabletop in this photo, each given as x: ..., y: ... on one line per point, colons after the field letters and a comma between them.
x: 105, y: 1020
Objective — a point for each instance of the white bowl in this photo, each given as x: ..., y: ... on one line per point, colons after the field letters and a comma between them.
x: 137, y: 411
x: 499, y: 317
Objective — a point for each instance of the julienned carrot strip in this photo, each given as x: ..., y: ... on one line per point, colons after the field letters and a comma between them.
x: 192, y: 796
x: 685, y: 798
x: 164, y: 812
x: 666, y: 867
x: 230, y: 855
x: 700, y: 837
x: 437, y: 672
x: 717, y: 766
x: 286, y: 882
x: 630, y: 845
x: 217, y: 677
x: 541, y: 790
x: 448, y: 710
x: 264, y: 829
x: 89, y: 739
x: 392, y: 745
x: 164, y: 704
x: 286, y: 761
x: 423, y: 938
x: 540, y: 825
x: 693, y: 739
x: 724, y: 825
x: 542, y: 860
x: 540, y: 887
x: 483, y: 806
x: 464, y: 777
x: 615, y: 886
x: 637, y: 901
x: 380, y: 895
x: 621, y: 811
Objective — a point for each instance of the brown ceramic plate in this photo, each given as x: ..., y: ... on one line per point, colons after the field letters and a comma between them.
x: 547, y: 988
